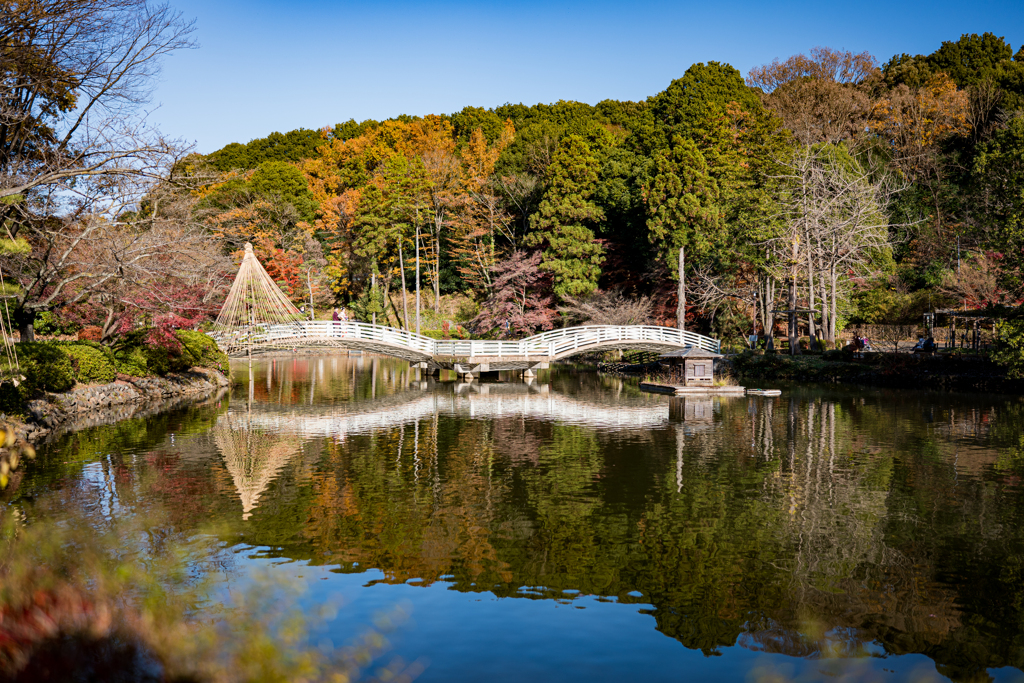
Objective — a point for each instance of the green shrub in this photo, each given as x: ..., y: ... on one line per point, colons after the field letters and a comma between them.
x: 91, y: 364
x: 12, y: 402
x: 48, y: 323
x: 199, y: 350
x: 131, y: 361
x: 161, y: 360
x: 135, y: 355
x: 843, y: 355
x: 46, y: 366
x: 1009, y: 347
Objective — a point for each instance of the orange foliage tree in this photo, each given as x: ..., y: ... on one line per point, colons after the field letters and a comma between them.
x: 483, y: 221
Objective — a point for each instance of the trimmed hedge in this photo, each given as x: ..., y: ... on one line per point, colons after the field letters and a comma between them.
x: 199, y: 350
x: 135, y: 356
x: 91, y: 365
x: 47, y: 367
x: 453, y: 335
x: 56, y: 366
x: 131, y: 361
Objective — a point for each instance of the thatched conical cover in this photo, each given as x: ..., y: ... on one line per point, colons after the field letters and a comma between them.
x: 254, y: 299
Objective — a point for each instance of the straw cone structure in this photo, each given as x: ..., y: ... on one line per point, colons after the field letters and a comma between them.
x: 254, y: 299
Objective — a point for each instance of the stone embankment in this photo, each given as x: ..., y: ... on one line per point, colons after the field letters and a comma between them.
x: 128, y: 395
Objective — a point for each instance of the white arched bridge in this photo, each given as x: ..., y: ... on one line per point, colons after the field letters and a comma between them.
x: 257, y: 315
x: 464, y: 356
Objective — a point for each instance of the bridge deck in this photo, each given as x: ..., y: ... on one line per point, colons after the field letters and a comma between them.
x: 546, y: 347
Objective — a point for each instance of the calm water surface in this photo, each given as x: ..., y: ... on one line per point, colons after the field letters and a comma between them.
x: 574, y: 528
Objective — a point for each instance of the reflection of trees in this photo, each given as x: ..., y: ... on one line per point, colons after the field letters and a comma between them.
x: 388, y: 500
x: 810, y: 524
x: 514, y: 438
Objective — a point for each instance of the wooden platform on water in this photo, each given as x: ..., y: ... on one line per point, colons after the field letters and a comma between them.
x: 679, y: 390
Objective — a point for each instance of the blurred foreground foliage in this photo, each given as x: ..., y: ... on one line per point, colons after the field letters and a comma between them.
x: 126, y: 597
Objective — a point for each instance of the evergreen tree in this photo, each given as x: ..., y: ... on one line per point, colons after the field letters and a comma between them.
x: 682, y: 204
x: 570, y: 252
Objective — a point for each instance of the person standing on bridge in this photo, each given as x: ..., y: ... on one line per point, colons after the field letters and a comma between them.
x: 335, y: 316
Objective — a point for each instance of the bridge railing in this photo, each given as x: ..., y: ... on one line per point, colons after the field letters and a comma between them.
x: 564, y: 340
x: 549, y: 344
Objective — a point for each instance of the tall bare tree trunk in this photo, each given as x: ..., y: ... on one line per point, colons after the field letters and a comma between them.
x: 794, y: 336
x: 832, y: 315
x: 825, y: 317
x: 373, y: 293
x: 309, y: 285
x: 766, y: 295
x: 437, y: 271
x: 405, y: 299
x: 417, y: 277
x: 681, y: 306
x: 812, y: 328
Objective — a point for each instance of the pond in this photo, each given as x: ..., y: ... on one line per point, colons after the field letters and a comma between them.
x: 572, y: 528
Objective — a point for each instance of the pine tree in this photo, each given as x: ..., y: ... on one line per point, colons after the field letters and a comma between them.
x: 682, y: 204
x: 570, y: 252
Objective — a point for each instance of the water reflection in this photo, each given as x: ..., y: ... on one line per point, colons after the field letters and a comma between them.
x: 254, y: 456
x: 819, y: 523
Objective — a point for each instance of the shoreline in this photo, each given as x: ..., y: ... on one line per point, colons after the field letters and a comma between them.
x: 891, y: 371
x: 92, y: 405
x: 56, y: 412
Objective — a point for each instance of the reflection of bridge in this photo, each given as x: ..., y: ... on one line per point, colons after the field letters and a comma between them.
x: 468, y: 402
x: 468, y: 357
x: 257, y: 442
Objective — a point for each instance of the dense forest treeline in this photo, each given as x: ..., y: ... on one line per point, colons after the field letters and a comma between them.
x: 865, y: 192
x: 829, y: 183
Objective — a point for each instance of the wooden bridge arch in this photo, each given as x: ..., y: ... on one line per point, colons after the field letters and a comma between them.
x: 257, y: 315
x: 457, y: 354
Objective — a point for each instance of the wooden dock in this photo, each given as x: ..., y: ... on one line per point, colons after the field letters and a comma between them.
x: 679, y: 390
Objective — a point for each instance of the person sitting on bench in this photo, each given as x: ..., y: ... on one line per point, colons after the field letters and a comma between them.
x: 925, y: 345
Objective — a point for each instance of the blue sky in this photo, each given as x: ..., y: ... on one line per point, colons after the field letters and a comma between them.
x: 265, y: 66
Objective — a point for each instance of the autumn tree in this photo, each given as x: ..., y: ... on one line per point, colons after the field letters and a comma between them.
x: 483, y: 226
x: 150, y: 265
x: 608, y: 308
x: 522, y: 300
x: 75, y: 74
x: 821, y: 97
x: 436, y: 148
x: 914, y: 127
x: 73, y: 132
x: 836, y: 224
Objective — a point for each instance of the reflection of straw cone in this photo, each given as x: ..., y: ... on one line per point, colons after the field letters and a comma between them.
x: 253, y: 457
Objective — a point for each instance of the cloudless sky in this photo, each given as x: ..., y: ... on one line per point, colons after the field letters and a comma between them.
x: 276, y: 66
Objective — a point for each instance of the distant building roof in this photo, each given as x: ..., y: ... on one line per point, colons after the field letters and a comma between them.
x: 690, y: 352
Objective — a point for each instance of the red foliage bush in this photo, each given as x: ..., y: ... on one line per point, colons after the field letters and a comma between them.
x: 90, y: 333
